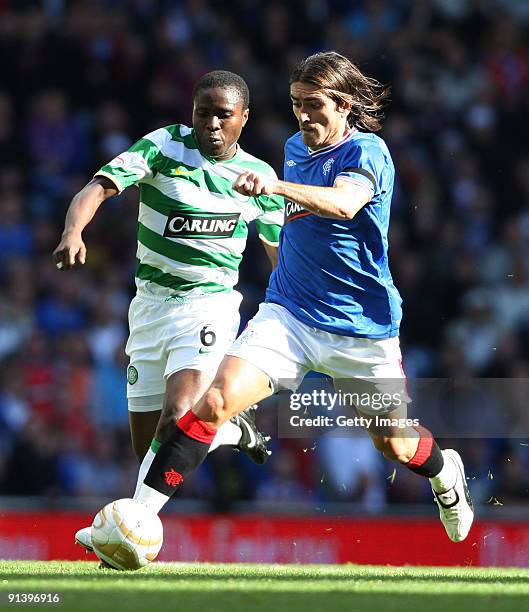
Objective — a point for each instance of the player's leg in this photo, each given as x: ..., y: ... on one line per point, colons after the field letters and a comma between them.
x: 207, y: 329
x: 146, y: 385
x: 143, y: 426
x: 263, y: 357
x: 240, y: 432
x: 379, y: 364
x: 237, y: 384
x: 146, y: 392
x: 144, y: 414
x: 416, y: 449
x: 196, y: 336
x: 148, y: 428
x: 184, y: 389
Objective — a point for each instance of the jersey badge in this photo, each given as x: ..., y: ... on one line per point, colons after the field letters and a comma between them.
x: 327, y: 166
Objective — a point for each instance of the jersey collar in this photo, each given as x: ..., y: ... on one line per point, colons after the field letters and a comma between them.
x: 348, y: 136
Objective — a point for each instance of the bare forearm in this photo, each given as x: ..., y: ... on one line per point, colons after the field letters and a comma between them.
x: 84, y: 206
x: 330, y: 202
x: 341, y: 201
x: 71, y: 249
x: 82, y: 209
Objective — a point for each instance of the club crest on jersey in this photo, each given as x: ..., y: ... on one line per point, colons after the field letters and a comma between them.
x: 327, y: 166
x: 181, y: 225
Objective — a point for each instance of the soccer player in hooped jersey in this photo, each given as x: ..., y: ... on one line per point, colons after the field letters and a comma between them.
x: 331, y: 305
x: 192, y: 230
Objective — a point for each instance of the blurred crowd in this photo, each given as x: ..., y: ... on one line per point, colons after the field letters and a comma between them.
x: 80, y: 81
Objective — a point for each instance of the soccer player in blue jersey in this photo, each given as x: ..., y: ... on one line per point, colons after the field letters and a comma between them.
x: 331, y: 305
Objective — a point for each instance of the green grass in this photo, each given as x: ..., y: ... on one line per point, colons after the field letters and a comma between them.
x: 267, y: 588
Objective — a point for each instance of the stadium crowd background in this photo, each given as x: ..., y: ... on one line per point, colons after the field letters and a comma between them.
x: 80, y: 81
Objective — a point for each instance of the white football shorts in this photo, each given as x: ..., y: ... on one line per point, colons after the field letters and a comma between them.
x: 285, y: 349
x: 168, y: 336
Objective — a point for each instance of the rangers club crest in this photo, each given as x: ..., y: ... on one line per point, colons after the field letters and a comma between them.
x: 327, y: 166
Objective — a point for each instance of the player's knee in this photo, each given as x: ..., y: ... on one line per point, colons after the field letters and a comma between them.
x: 215, y: 407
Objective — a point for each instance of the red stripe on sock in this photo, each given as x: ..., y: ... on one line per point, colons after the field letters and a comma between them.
x: 196, y: 428
x: 424, y: 449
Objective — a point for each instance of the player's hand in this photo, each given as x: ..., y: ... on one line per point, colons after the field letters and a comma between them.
x: 70, y: 251
x: 253, y: 184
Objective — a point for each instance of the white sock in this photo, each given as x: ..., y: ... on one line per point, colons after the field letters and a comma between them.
x: 144, y: 468
x: 151, y: 498
x: 446, y: 478
x: 229, y: 433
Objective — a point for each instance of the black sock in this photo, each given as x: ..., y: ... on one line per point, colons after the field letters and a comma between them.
x: 428, y: 460
x: 180, y: 454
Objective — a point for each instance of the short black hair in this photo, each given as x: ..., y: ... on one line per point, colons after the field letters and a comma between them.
x: 225, y: 80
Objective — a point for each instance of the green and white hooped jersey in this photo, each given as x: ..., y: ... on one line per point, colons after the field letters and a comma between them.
x: 192, y: 226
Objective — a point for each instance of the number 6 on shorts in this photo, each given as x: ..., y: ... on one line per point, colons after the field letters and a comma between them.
x: 207, y: 336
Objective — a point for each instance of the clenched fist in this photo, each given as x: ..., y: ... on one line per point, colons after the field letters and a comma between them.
x: 254, y: 184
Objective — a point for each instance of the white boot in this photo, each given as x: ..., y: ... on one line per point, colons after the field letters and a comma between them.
x: 84, y: 538
x: 455, y: 505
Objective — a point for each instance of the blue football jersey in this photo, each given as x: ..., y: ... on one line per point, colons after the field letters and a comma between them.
x: 333, y: 274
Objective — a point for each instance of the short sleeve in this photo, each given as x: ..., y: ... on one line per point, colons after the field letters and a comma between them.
x: 362, y: 165
x: 139, y: 162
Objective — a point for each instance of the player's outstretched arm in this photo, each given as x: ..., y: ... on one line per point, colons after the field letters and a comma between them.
x: 71, y: 249
x: 341, y: 201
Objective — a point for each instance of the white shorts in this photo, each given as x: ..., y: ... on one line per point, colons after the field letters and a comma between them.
x: 168, y: 336
x: 285, y: 349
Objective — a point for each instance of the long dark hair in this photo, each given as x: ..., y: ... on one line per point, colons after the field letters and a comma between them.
x: 343, y: 82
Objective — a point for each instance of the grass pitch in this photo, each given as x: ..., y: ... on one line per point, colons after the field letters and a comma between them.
x: 185, y: 587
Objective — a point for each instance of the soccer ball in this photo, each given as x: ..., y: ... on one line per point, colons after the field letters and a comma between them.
x: 126, y: 534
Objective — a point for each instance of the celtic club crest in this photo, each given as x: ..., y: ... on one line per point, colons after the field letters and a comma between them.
x: 132, y: 374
